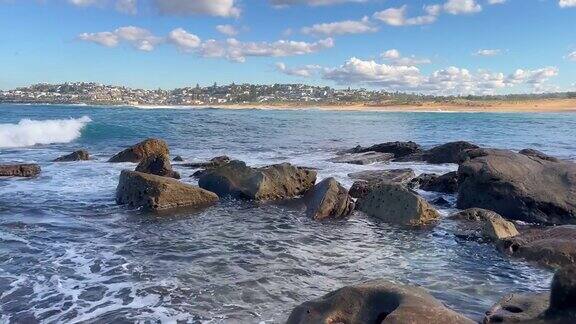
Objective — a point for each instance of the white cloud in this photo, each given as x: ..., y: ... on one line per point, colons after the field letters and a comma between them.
x: 488, y: 52
x: 341, y: 27
x: 139, y: 38
x: 493, y: 2
x: 184, y: 41
x: 572, y: 56
x: 305, y: 71
x: 397, y: 16
x: 220, y: 8
x: 459, y: 7
x: 393, y: 56
x: 227, y: 30
x: 287, y: 3
x: 567, y: 3
x: 127, y: 6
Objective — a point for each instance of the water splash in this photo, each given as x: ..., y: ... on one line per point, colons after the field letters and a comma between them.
x: 31, y: 132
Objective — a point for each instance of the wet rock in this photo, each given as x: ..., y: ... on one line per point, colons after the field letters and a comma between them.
x: 442, y: 202
x: 19, y: 170
x: 158, y: 165
x: 140, y: 151
x: 477, y: 223
x: 178, y: 158
x: 399, y: 149
x: 156, y: 193
x: 279, y: 181
x: 396, y: 204
x: 80, y: 155
x: 563, y: 290
x: 377, y: 301
x: 328, y: 199
x: 213, y: 163
x: 552, y: 246
x: 392, y: 176
x: 359, y: 189
x: 518, y: 186
x: 518, y: 308
x: 448, y: 153
x: 363, y: 158
x: 538, y: 154
x: 446, y: 183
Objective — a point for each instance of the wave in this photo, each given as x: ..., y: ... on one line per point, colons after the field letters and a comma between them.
x: 31, y: 132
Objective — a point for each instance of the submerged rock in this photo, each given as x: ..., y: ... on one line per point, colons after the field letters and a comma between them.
x: 397, y: 204
x: 446, y: 183
x: 399, y: 149
x: 477, y: 223
x: 156, y: 193
x: 213, y: 163
x: 178, y: 158
x: 279, y: 181
x: 377, y: 301
x: 20, y: 170
x: 518, y: 186
x: 448, y: 153
x: 158, y: 165
x: 363, y: 158
x: 553, y: 246
x: 142, y: 150
x: 80, y: 155
x: 328, y: 199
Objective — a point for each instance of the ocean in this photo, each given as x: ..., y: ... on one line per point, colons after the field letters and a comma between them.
x: 69, y: 254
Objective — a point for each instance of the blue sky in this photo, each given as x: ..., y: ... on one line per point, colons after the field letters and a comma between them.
x: 428, y: 46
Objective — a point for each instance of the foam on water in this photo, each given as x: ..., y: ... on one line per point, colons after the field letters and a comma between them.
x: 31, y: 132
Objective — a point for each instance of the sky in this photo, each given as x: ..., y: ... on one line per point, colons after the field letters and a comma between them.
x: 424, y: 46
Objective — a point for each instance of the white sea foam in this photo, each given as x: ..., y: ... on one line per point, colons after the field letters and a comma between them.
x: 31, y: 132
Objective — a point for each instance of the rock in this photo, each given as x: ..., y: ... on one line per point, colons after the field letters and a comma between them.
x: 553, y: 246
x: 363, y: 158
x: 484, y: 224
x: 377, y: 301
x: 19, y: 170
x: 140, y: 151
x: 279, y: 181
x: 158, y: 165
x: 393, y: 176
x: 448, y: 153
x: 178, y: 158
x: 396, y: 204
x: 80, y: 155
x: 156, y: 193
x: 538, y: 154
x: 518, y: 186
x: 442, y: 202
x: 517, y: 308
x: 399, y: 149
x: 563, y: 290
x: 446, y: 183
x: 328, y: 199
x: 359, y: 189
x: 213, y: 163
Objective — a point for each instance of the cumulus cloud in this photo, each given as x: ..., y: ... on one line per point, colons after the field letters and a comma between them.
x: 488, y: 52
x: 227, y: 30
x: 398, y: 17
x: 305, y: 71
x: 393, y: 56
x: 139, y: 38
x: 220, y: 8
x: 459, y: 7
x: 125, y: 6
x: 567, y: 3
x: 183, y: 40
x: 287, y: 3
x: 493, y: 2
x: 341, y: 27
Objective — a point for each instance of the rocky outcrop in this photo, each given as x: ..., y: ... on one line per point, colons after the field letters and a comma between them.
x: 553, y: 246
x: 368, y: 179
x: 328, y: 200
x: 477, y: 223
x: 377, y: 301
x: 518, y: 308
x: 538, y: 154
x: 518, y: 186
x: 446, y: 183
x: 19, y: 170
x: 399, y: 149
x: 158, y: 165
x: 156, y: 193
x: 178, y: 158
x: 279, y: 181
x: 448, y: 153
x: 363, y: 158
x: 396, y: 204
x: 213, y: 163
x: 142, y: 150
x: 80, y: 155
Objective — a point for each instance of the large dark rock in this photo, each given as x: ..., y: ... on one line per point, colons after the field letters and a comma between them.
x: 363, y: 158
x: 142, y: 150
x: 377, y: 301
x: 158, y: 165
x: 19, y: 170
x: 448, y: 153
x: 396, y: 204
x: 399, y: 149
x: 394, y: 176
x: 518, y: 186
x: 279, y: 181
x: 482, y: 224
x: 80, y: 155
x: 156, y: 193
x: 328, y: 199
x: 213, y: 163
x: 553, y: 246
x: 446, y: 183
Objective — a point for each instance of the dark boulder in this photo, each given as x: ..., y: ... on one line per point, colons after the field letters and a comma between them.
x: 156, y: 193
x: 279, y: 181
x: 178, y: 158
x: 482, y: 224
x: 359, y: 189
x: 19, y: 170
x: 538, y: 154
x: 140, y: 151
x: 80, y: 155
x: 399, y: 149
x: 446, y: 183
x: 448, y: 153
x: 518, y: 186
x: 328, y: 199
x: 363, y: 158
x: 377, y: 301
x: 212, y: 163
x: 158, y: 165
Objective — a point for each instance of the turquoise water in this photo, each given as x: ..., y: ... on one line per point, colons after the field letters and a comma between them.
x: 69, y: 254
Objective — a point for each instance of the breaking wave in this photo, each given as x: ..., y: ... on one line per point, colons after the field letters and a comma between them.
x: 31, y: 132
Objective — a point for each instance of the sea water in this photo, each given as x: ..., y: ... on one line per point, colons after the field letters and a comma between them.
x: 69, y: 254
